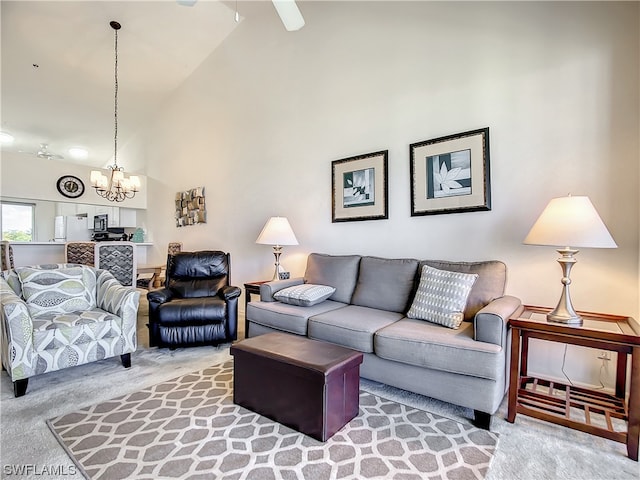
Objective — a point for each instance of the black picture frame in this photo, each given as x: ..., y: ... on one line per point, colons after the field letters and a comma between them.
x: 451, y: 174
x: 360, y: 189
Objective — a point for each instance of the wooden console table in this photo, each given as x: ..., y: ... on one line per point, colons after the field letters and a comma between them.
x: 588, y: 410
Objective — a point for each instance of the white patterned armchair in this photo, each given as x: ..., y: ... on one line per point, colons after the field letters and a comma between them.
x: 59, y: 316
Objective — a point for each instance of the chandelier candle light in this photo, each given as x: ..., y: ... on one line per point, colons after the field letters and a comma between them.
x: 116, y: 187
x: 569, y: 221
x: 277, y: 232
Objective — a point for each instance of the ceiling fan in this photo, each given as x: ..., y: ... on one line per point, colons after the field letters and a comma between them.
x: 287, y: 10
x: 44, y: 153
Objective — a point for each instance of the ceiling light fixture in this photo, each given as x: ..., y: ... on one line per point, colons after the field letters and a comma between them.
x: 116, y: 187
x: 79, y: 153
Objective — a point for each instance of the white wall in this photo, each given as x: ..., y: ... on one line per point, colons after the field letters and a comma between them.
x: 260, y: 121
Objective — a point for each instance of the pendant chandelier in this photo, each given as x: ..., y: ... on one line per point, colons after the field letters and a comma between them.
x: 115, y: 187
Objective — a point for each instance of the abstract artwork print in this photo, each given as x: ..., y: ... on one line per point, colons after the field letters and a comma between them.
x: 359, y: 188
x: 449, y: 174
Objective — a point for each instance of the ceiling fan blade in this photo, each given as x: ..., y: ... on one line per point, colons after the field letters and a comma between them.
x: 49, y: 156
x: 289, y: 14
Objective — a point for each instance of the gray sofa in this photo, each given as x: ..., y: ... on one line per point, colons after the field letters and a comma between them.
x: 367, y: 312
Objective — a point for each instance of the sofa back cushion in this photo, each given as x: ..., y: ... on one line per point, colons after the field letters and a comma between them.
x: 337, y: 271
x: 491, y: 282
x: 385, y: 284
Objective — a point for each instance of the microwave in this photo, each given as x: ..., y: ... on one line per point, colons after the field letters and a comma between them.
x: 100, y: 223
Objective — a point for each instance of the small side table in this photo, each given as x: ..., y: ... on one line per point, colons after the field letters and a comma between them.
x: 249, y: 289
x: 569, y: 405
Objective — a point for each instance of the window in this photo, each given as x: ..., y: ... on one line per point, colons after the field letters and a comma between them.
x: 17, y: 221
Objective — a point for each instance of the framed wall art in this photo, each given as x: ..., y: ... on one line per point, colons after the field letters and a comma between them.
x: 190, y: 207
x: 360, y: 187
x: 451, y: 174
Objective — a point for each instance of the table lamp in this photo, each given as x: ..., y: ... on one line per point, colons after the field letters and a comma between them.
x: 569, y: 222
x: 277, y: 232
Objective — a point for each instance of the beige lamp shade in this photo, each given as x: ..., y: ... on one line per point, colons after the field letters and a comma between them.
x: 277, y: 231
x: 570, y: 222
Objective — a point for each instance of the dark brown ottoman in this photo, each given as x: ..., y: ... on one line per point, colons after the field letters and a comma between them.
x: 310, y: 386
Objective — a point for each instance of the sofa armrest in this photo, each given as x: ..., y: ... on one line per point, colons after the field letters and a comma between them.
x: 16, y: 333
x: 267, y: 290
x: 490, y: 323
x: 229, y: 292
x: 159, y: 296
x: 122, y: 301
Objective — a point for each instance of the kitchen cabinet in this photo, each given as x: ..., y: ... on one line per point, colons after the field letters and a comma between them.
x: 128, y: 218
x: 113, y: 214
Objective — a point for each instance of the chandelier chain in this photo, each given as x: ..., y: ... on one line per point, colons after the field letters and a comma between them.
x: 116, y: 187
x: 115, y: 104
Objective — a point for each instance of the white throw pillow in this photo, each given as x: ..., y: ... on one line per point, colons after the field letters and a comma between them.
x: 304, y: 295
x: 59, y: 290
x: 442, y: 296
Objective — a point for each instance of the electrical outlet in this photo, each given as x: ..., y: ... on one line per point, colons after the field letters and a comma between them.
x: 605, y: 355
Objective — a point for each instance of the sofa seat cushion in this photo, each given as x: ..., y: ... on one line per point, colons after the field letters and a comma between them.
x: 428, y: 345
x: 193, y: 311
x: 54, y: 330
x: 385, y: 283
x: 285, y: 317
x: 352, y: 326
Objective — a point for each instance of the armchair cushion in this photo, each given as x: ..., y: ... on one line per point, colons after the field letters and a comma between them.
x: 61, y: 290
x: 193, y: 311
x: 197, y: 274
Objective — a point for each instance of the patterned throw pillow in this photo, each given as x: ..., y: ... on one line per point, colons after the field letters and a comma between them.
x: 304, y: 295
x: 59, y: 290
x: 442, y: 296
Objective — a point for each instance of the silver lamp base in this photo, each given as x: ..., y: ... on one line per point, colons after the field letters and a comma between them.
x: 564, y: 311
x: 277, y: 251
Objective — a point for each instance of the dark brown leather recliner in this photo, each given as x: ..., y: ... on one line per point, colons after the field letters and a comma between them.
x: 197, y: 305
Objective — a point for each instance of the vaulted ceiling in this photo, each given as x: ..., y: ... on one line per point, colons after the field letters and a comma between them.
x: 57, y: 77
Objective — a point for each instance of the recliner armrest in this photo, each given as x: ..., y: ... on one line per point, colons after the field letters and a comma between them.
x: 162, y: 295
x: 229, y: 292
x: 490, y: 323
x: 267, y: 290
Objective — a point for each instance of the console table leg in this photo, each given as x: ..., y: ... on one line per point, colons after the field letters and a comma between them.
x: 514, y: 375
x: 633, y: 431
x: 621, y: 375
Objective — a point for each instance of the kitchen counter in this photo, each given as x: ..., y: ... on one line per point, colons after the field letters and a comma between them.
x: 40, y: 253
x: 142, y: 244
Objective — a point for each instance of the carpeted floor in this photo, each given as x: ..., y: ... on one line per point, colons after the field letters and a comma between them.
x: 528, y: 449
x: 189, y: 427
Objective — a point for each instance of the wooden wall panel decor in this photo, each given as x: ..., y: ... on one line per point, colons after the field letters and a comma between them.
x: 190, y: 207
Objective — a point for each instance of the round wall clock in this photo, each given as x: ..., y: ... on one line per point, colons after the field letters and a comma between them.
x: 70, y: 186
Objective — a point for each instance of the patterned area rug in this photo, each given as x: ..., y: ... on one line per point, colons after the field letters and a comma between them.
x: 189, y: 427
